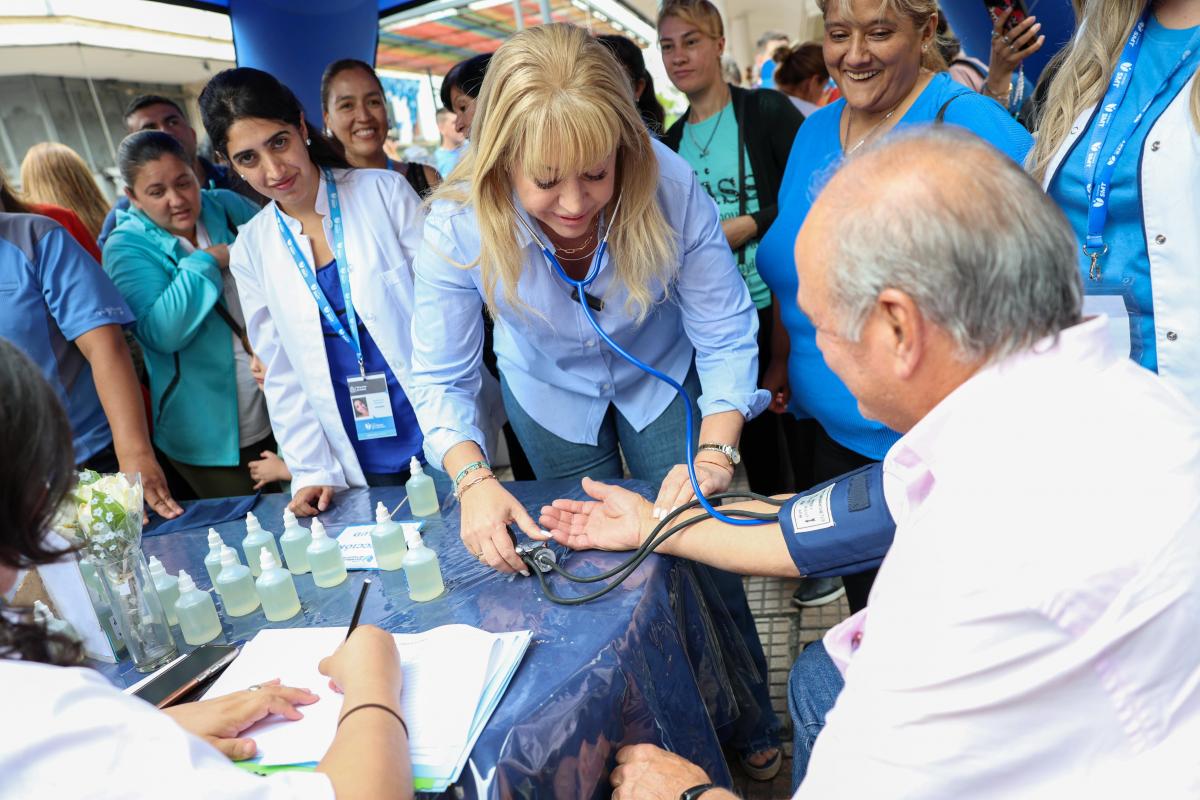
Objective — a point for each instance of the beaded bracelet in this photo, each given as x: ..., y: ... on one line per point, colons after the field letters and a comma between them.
x: 459, y: 491
x: 468, y: 469
x: 388, y: 709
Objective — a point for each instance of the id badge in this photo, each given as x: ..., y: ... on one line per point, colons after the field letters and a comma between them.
x: 371, y: 406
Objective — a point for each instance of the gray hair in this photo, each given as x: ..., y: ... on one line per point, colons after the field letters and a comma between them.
x: 965, y: 232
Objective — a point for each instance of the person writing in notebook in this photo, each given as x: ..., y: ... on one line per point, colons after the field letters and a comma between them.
x: 69, y: 733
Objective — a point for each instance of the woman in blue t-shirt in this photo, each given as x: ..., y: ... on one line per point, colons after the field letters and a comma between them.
x: 890, y: 75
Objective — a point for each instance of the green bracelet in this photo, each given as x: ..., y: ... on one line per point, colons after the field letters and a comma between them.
x: 468, y: 469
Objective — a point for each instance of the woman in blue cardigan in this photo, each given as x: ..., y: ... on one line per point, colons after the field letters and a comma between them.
x: 169, y: 256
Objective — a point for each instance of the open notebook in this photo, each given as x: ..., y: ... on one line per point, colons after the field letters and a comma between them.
x: 454, y: 677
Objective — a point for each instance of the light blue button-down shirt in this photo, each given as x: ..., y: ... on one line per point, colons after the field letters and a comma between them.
x: 556, y: 366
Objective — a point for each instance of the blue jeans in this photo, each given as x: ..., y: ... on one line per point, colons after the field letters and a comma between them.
x: 813, y: 687
x: 650, y: 454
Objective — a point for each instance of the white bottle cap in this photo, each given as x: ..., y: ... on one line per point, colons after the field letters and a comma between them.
x: 318, y: 529
x: 252, y: 524
x: 186, y: 584
x: 266, y: 559
x: 412, y: 537
x: 156, y: 568
x: 381, y: 513
x: 289, y: 518
x: 414, y: 467
x: 42, y: 613
x: 214, y: 538
x: 229, y: 557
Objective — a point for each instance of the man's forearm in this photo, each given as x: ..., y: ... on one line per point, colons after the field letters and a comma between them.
x: 117, y: 387
x: 750, y: 550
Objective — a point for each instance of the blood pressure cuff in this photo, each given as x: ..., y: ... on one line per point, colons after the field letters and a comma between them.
x: 840, y: 527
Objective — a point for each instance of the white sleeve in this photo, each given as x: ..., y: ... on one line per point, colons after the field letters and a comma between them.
x: 302, y: 441
x: 89, y: 740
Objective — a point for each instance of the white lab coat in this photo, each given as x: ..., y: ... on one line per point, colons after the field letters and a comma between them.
x: 1170, y: 191
x: 382, y: 219
x: 68, y: 733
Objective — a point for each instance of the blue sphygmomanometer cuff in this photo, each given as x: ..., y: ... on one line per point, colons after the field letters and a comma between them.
x: 840, y: 527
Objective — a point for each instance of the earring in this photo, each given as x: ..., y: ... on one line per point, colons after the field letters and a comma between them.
x: 308, y: 141
x: 925, y: 48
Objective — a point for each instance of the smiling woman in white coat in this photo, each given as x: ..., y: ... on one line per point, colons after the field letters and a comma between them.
x: 325, y: 279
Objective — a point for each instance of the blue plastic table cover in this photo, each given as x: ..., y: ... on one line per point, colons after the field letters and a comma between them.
x: 658, y: 660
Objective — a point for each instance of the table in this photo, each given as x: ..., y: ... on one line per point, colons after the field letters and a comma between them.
x: 642, y: 664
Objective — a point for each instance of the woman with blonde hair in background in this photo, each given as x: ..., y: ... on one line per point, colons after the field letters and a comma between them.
x: 1119, y: 151
x: 54, y: 173
x: 560, y: 158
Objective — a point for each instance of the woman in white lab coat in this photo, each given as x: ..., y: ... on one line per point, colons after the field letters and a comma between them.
x: 325, y: 278
x: 69, y: 733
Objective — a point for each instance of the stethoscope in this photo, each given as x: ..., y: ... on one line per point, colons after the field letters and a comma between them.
x: 588, y: 303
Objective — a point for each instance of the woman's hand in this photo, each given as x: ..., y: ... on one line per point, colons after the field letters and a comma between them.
x: 486, y: 511
x: 368, y: 662
x: 269, y: 469
x: 775, y: 381
x: 1009, y: 50
x: 258, y: 370
x: 221, y: 719
x: 676, y: 488
x: 739, y: 230
x: 221, y: 253
x: 311, y: 500
x: 615, y: 519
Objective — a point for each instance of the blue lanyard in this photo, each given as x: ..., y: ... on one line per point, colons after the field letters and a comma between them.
x: 1101, y: 175
x: 343, y: 269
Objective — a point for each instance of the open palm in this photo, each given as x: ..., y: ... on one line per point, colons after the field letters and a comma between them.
x: 613, y: 520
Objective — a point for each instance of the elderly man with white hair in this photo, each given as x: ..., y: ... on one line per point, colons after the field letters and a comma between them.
x: 1032, y: 631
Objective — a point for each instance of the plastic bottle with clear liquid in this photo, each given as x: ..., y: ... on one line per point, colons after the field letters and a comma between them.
x: 325, y: 558
x: 197, y: 612
x: 53, y: 625
x: 236, y: 584
x: 422, y: 495
x: 387, y: 539
x: 212, y: 561
x: 294, y: 543
x: 167, y: 586
x: 276, y: 589
x: 421, y: 569
x: 256, y: 539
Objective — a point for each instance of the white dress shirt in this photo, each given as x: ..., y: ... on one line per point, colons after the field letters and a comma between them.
x: 67, y: 733
x: 1033, y: 631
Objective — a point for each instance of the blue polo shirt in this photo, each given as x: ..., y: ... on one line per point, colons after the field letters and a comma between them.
x: 53, y: 292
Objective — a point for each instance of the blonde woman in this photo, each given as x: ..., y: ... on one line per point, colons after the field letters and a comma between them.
x: 560, y: 156
x: 55, y: 174
x: 1139, y: 222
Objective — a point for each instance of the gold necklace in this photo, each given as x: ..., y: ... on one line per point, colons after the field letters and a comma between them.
x: 876, y: 126
x: 568, y: 251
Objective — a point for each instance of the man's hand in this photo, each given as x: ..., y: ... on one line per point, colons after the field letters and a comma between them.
x: 646, y: 772
x: 221, y: 719
x: 311, y: 500
x: 617, y: 519
x: 154, y: 484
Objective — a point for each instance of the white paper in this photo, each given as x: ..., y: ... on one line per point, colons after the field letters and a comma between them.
x: 64, y: 584
x: 357, y: 549
x: 1113, y: 307
x: 446, y: 672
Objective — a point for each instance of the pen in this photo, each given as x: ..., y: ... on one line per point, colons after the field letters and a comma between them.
x: 362, y: 596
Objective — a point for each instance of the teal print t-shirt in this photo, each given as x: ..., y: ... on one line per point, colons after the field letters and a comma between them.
x: 711, y: 148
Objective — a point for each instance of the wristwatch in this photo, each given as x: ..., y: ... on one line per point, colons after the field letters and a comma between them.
x: 696, y: 791
x: 727, y: 450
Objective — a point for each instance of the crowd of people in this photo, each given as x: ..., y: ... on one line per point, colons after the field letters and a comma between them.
x: 884, y: 251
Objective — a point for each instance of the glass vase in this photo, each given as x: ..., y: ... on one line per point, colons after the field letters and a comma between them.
x: 136, y: 609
